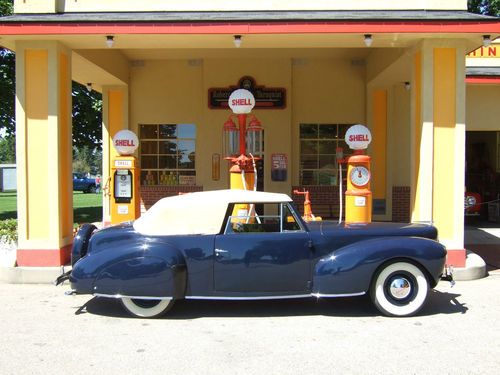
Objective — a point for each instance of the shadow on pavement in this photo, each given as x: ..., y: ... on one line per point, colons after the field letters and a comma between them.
x: 437, y: 303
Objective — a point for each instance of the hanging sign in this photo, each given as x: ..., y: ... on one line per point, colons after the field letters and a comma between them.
x: 358, y: 137
x: 279, y: 165
x: 265, y: 97
x: 125, y: 142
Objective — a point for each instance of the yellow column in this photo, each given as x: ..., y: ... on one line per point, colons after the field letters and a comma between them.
x: 115, y: 118
x: 449, y: 151
x: 439, y: 143
x: 44, y: 154
x: 379, y: 146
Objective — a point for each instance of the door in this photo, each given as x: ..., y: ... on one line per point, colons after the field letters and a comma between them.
x: 267, y: 255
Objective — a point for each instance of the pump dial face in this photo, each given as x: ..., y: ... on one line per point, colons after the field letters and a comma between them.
x: 359, y: 176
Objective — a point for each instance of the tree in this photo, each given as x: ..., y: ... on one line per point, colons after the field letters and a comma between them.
x: 87, y: 160
x: 87, y: 117
x: 7, y: 149
x: 486, y: 7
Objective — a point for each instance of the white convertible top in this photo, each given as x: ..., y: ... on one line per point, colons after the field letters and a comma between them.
x: 197, y: 213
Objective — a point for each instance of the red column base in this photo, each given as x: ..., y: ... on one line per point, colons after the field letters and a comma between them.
x: 456, y: 257
x: 44, y: 257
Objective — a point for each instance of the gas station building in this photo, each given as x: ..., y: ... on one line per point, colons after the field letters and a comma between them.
x: 166, y: 68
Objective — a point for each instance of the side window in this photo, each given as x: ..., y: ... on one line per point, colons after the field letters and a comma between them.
x: 277, y: 218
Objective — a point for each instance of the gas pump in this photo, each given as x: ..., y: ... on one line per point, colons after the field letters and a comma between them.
x: 238, y: 140
x: 125, y: 183
x: 358, y: 196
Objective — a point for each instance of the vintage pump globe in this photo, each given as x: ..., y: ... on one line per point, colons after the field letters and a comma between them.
x: 241, y: 101
x: 358, y: 137
x: 125, y: 142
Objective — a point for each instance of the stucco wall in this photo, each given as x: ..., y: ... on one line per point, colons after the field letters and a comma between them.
x: 482, y: 108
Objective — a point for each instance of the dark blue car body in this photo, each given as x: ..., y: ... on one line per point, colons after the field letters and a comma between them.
x: 320, y: 259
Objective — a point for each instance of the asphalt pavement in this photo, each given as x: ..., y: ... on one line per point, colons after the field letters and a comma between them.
x: 43, y: 331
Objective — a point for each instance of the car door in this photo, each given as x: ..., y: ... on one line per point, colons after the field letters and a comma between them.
x: 263, y: 255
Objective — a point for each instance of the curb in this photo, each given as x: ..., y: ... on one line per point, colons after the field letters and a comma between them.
x: 475, y: 268
x: 30, y: 275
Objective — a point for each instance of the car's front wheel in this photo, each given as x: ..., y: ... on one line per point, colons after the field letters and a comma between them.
x: 147, y: 308
x: 399, y: 289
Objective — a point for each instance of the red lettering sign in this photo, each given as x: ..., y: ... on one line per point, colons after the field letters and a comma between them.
x: 359, y: 138
x: 125, y: 142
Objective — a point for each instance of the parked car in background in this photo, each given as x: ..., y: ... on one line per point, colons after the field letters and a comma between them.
x: 84, y: 183
x: 212, y: 245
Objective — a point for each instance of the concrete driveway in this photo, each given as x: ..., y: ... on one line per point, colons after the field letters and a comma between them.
x: 42, y: 331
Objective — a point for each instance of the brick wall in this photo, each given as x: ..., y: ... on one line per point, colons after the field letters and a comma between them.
x: 152, y: 194
x: 401, y: 204
x: 324, y: 200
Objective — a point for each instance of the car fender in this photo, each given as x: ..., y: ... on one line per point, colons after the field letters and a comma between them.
x: 349, y: 270
x: 146, y: 276
x: 145, y: 267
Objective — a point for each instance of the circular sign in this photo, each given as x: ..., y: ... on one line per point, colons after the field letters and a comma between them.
x: 125, y: 142
x: 359, y: 176
x: 241, y: 101
x: 358, y: 137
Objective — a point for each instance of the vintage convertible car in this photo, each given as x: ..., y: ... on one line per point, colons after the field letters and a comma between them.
x: 245, y: 245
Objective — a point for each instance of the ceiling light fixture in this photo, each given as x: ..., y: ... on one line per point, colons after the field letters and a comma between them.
x: 110, y: 40
x: 237, y: 41
x: 407, y: 86
x: 486, y: 40
x: 368, y: 40
x: 89, y: 86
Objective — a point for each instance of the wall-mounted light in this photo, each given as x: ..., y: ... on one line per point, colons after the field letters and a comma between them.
x: 368, y: 40
x: 407, y: 86
x: 110, y: 40
x: 89, y: 86
x: 486, y: 40
x: 237, y: 41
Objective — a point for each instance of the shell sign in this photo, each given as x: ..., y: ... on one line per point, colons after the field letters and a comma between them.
x: 358, y: 137
x: 125, y: 142
x: 241, y: 101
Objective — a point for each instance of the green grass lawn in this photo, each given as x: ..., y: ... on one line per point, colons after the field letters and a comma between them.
x: 87, y: 208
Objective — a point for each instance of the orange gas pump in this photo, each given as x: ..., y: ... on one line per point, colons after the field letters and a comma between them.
x: 308, y: 215
x: 358, y: 196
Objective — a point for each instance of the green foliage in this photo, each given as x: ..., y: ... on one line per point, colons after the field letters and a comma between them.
x: 8, y: 230
x: 7, y: 91
x: 6, y: 7
x: 486, y: 7
x: 87, y: 117
x: 7, y: 150
x: 87, y: 160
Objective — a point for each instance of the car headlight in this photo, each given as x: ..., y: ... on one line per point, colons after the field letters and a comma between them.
x: 470, y: 201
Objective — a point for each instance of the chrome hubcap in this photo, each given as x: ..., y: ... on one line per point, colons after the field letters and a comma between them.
x: 400, y: 288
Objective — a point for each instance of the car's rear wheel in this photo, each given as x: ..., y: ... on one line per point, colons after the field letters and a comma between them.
x: 399, y: 289
x: 91, y: 189
x: 147, y: 308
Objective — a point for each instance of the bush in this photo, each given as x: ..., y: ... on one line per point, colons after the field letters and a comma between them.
x: 8, y: 230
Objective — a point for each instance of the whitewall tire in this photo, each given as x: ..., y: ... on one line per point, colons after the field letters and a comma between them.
x: 147, y: 308
x: 399, y: 289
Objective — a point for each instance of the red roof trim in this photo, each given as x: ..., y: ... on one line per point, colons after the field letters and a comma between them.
x: 248, y: 28
x: 483, y: 80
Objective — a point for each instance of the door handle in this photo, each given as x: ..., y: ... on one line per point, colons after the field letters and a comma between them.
x: 220, y: 252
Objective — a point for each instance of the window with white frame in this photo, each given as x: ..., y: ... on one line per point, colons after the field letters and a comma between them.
x: 167, y: 153
x: 318, y: 148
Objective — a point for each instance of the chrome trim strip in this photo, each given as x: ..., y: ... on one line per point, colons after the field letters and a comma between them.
x: 317, y: 295
x: 249, y: 298
x: 134, y: 297
x: 320, y: 295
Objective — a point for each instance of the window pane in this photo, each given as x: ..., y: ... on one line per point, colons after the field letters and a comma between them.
x: 343, y: 129
x: 308, y: 162
x: 309, y: 147
x: 327, y: 147
x: 149, y: 162
x: 327, y: 162
x: 167, y: 131
x: 148, y: 177
x: 168, y: 147
x: 149, y: 132
x: 168, y: 162
x: 149, y: 147
x: 327, y: 131
x: 187, y: 178
x: 327, y: 177
x: 308, y: 178
x: 186, y: 131
x: 309, y: 131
